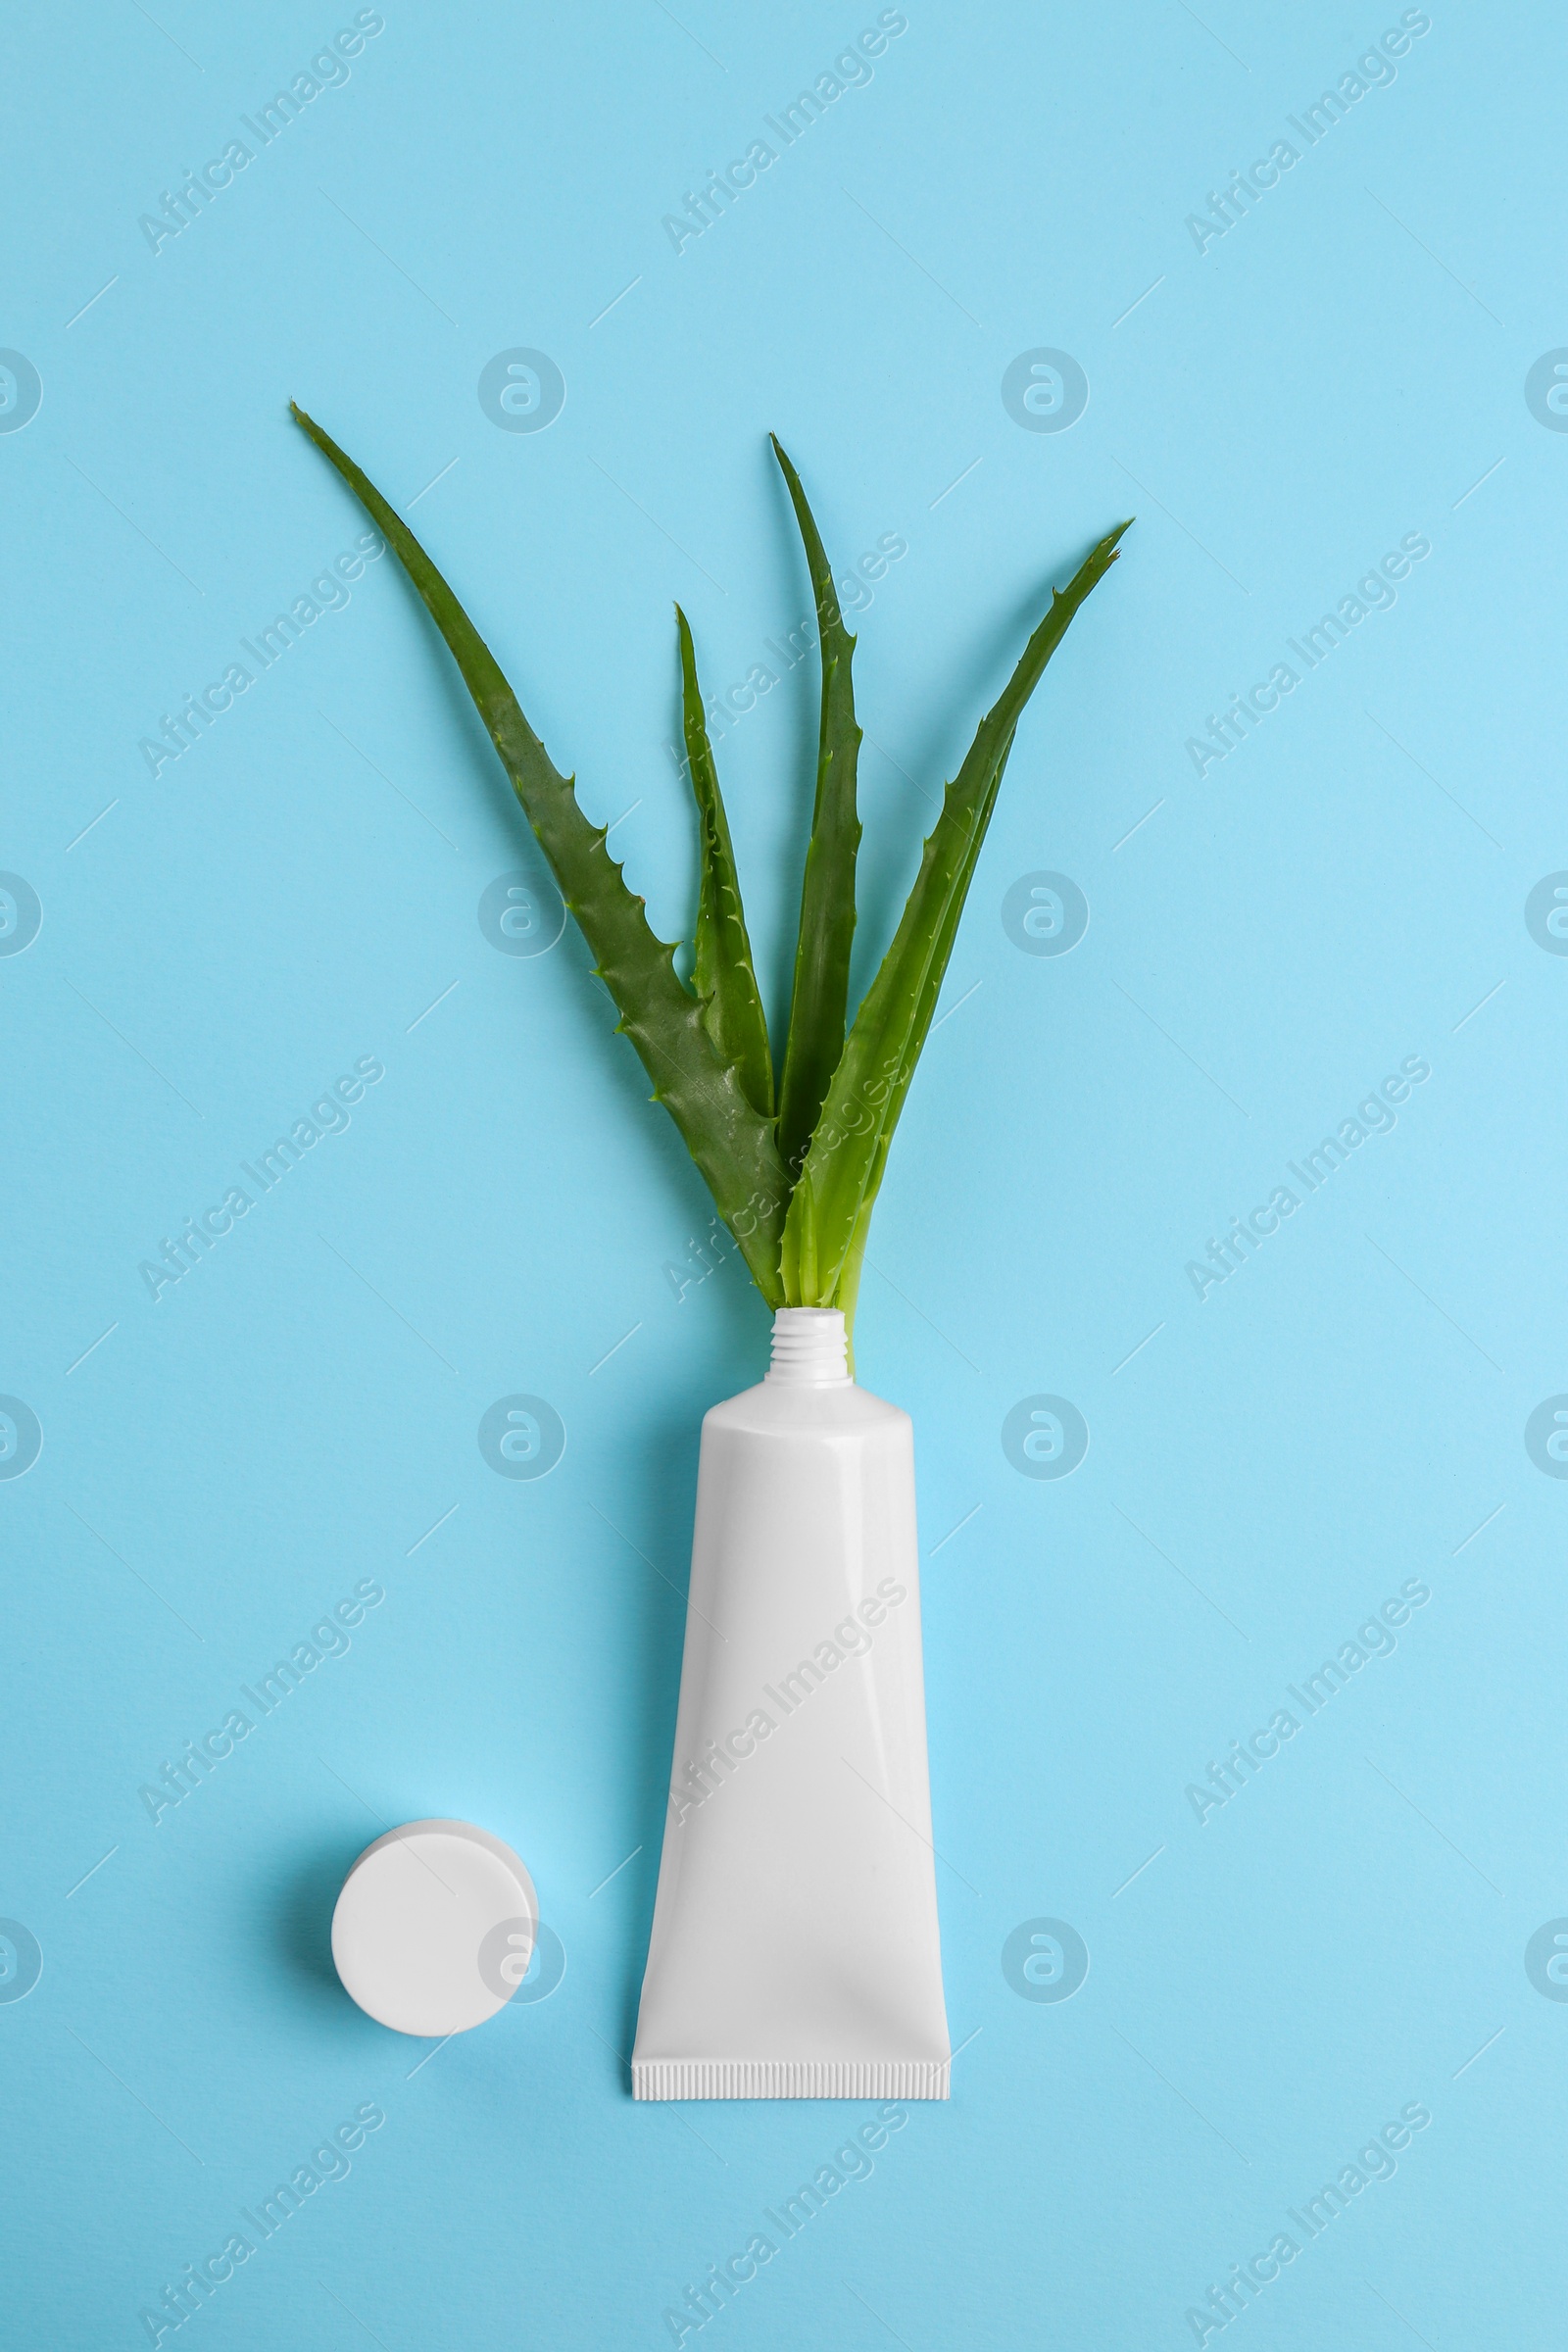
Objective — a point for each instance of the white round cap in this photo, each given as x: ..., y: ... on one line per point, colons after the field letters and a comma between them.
x: 434, y: 1927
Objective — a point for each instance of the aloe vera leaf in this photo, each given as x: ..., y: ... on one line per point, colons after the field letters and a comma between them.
x: 931, y: 990
x: 724, y: 977
x: 847, y: 1294
x: 733, y: 1145
x: 819, y: 999
x: 848, y: 1148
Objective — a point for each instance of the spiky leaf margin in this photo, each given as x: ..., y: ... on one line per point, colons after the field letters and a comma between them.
x: 819, y: 999
x: 723, y: 974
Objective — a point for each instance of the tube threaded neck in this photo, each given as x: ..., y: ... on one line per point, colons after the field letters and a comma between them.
x: 810, y: 1349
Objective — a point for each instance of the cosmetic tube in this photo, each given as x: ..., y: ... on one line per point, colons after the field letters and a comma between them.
x: 795, y: 1949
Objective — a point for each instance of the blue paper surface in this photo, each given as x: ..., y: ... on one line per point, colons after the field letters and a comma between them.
x: 996, y: 286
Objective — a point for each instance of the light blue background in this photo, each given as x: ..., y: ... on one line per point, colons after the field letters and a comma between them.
x: 1339, y: 370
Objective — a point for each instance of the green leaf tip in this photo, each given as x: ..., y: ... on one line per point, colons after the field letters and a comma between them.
x: 796, y: 1187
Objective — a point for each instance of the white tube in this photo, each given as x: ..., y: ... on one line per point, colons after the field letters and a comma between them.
x: 795, y: 1952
